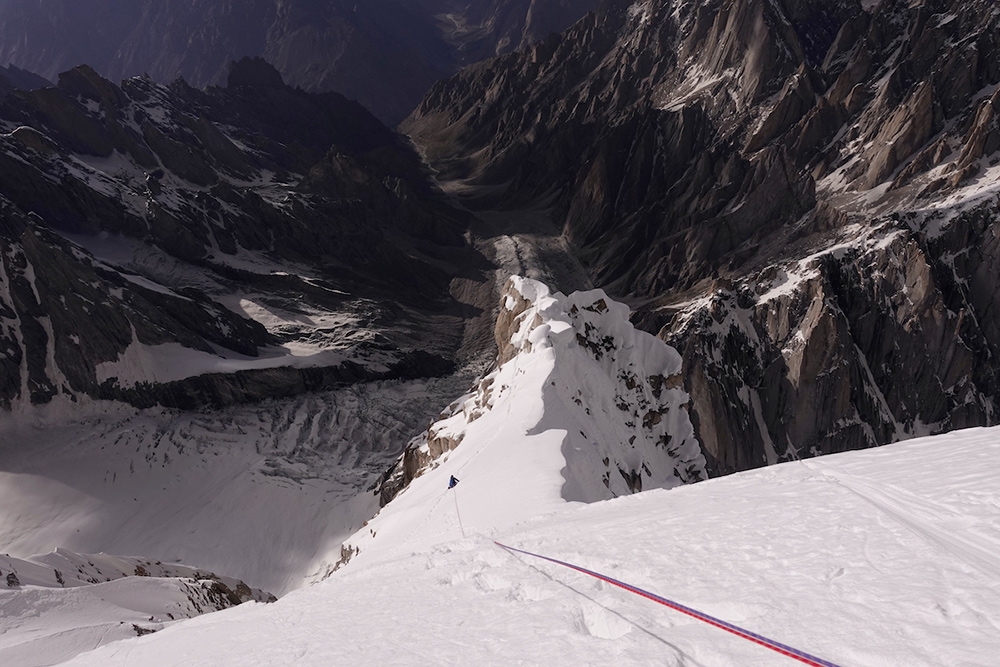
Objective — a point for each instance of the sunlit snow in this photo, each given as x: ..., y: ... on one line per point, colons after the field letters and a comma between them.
x: 884, y: 557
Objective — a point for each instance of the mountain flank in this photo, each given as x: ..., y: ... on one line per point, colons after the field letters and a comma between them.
x: 800, y: 196
x: 164, y: 244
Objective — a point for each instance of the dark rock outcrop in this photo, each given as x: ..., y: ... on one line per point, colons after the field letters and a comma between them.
x: 254, y: 73
x: 66, y: 315
x: 847, y: 350
x: 217, y: 390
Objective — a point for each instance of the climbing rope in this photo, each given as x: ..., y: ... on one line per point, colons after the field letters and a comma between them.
x: 788, y: 651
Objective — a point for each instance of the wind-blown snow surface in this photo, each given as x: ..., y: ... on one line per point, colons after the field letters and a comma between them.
x: 882, y: 557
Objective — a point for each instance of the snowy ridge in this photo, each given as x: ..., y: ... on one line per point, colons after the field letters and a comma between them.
x: 65, y: 569
x: 614, y: 389
x: 620, y: 385
x: 583, y: 407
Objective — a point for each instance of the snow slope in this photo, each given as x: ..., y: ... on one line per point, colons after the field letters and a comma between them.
x: 884, y: 557
x: 64, y: 603
x: 617, y: 388
x: 583, y: 407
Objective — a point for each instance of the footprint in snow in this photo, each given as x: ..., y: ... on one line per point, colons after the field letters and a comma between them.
x: 459, y: 577
x: 487, y: 581
x: 598, y: 622
x: 492, y: 558
x: 531, y: 593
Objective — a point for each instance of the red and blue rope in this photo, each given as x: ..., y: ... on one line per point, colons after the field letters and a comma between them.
x: 788, y: 651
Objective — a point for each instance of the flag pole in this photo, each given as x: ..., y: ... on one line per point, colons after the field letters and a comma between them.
x: 457, y: 513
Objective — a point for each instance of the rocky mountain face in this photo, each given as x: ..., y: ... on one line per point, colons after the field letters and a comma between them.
x: 479, y: 30
x: 190, y: 248
x: 800, y: 196
x: 383, y: 53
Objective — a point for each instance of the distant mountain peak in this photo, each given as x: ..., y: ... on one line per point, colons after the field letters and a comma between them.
x: 23, y: 79
x: 254, y: 72
x: 383, y: 53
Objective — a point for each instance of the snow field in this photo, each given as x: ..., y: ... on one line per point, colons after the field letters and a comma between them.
x: 804, y: 553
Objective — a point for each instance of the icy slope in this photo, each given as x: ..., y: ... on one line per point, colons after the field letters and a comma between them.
x: 884, y: 557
